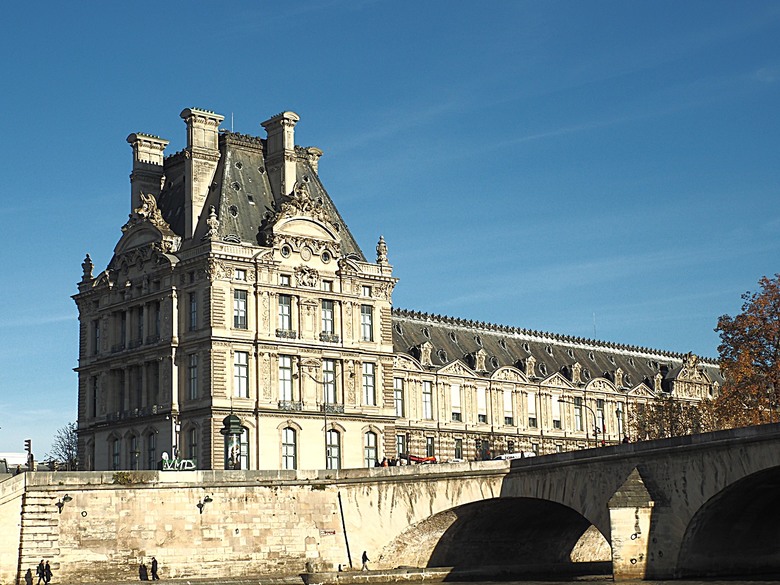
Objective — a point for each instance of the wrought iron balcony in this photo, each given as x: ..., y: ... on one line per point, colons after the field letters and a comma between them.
x: 287, y: 333
x: 290, y: 406
x: 332, y: 408
x: 329, y: 337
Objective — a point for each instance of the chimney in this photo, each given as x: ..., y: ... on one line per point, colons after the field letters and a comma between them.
x: 201, y: 158
x: 280, y: 152
x: 147, y: 175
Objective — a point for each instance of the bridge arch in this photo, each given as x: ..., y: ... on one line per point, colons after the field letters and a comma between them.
x: 513, y: 534
x: 736, y: 531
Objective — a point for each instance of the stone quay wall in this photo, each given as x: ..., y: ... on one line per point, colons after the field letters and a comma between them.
x: 99, y: 526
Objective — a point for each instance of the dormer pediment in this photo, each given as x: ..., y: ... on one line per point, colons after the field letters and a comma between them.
x: 600, y: 385
x: 405, y: 362
x: 303, y: 216
x: 557, y: 380
x: 641, y: 391
x: 509, y: 374
x: 457, y: 368
x: 147, y: 228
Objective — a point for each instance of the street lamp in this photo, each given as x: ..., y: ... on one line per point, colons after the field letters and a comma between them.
x: 595, y: 424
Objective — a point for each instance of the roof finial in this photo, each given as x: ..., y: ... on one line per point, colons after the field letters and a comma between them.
x: 381, y: 251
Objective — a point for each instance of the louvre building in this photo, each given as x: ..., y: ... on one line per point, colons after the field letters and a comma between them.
x: 240, y: 325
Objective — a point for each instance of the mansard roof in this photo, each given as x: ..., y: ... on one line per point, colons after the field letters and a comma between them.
x: 459, y: 339
x: 241, y: 194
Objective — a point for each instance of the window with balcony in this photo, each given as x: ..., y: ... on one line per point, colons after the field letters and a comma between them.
x: 556, y: 411
x: 531, y: 406
x: 329, y: 381
x: 481, y: 404
x: 285, y: 378
x: 509, y: 415
x: 285, y: 313
x: 327, y: 317
x: 578, y: 425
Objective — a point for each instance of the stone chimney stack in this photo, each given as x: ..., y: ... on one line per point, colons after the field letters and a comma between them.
x: 202, y: 156
x: 280, y: 152
x: 147, y: 175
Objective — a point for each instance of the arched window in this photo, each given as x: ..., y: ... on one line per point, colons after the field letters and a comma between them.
x: 370, y: 456
x: 151, y: 451
x: 333, y: 445
x: 289, y: 449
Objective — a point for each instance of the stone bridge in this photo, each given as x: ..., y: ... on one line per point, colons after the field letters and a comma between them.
x: 703, y: 505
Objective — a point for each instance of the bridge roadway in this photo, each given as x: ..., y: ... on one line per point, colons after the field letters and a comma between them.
x: 703, y: 505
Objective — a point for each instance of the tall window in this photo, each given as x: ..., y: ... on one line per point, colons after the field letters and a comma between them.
x: 140, y: 317
x: 427, y: 399
x: 115, y: 454
x: 192, y: 444
x: 193, y: 315
x: 192, y: 376
x: 370, y: 456
x: 151, y: 451
x: 329, y: 380
x: 556, y: 411
x: 458, y: 448
x: 620, y: 415
x: 285, y: 312
x: 289, y: 449
x: 239, y: 309
x: 369, y: 390
x: 327, y: 317
x: 600, y: 422
x: 156, y: 318
x: 398, y: 396
x: 93, y: 397
x: 509, y: 417
x: 366, y: 323
x: 578, y: 426
x: 430, y: 449
x: 285, y: 378
x: 532, y: 422
x: 133, y: 452
x: 400, y: 444
x: 455, y: 399
x: 95, y: 337
x: 241, y: 374
x: 333, y: 444
x: 482, y: 404
x: 122, y: 329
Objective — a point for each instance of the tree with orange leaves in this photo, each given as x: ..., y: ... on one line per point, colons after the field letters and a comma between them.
x: 750, y: 358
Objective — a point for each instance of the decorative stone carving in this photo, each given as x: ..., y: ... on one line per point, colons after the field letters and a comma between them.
x: 425, y: 353
x: 87, y: 267
x: 576, y: 373
x: 213, y: 223
x: 307, y: 276
x: 301, y: 203
x: 530, y: 366
x: 381, y: 251
x: 619, y: 378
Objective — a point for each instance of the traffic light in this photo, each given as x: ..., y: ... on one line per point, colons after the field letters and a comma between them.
x: 28, y: 445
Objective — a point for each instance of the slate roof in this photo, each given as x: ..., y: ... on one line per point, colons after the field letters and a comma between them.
x: 458, y: 339
x: 241, y: 195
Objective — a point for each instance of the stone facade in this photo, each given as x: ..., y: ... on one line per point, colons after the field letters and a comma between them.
x: 237, y: 288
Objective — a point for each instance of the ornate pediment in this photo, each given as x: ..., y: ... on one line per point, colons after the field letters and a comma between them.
x: 692, y: 371
x: 306, y: 276
x: 146, y: 226
x: 600, y: 385
x: 557, y: 380
x: 301, y: 203
x: 457, y: 368
x: 641, y: 391
x: 404, y: 362
x: 509, y: 374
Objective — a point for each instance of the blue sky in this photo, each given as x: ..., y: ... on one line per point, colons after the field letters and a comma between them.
x: 587, y: 168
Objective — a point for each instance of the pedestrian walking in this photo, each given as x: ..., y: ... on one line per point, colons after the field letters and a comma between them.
x: 41, y: 572
x: 28, y: 577
x: 47, y: 572
x: 365, y: 560
x: 155, y: 577
x: 143, y: 574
